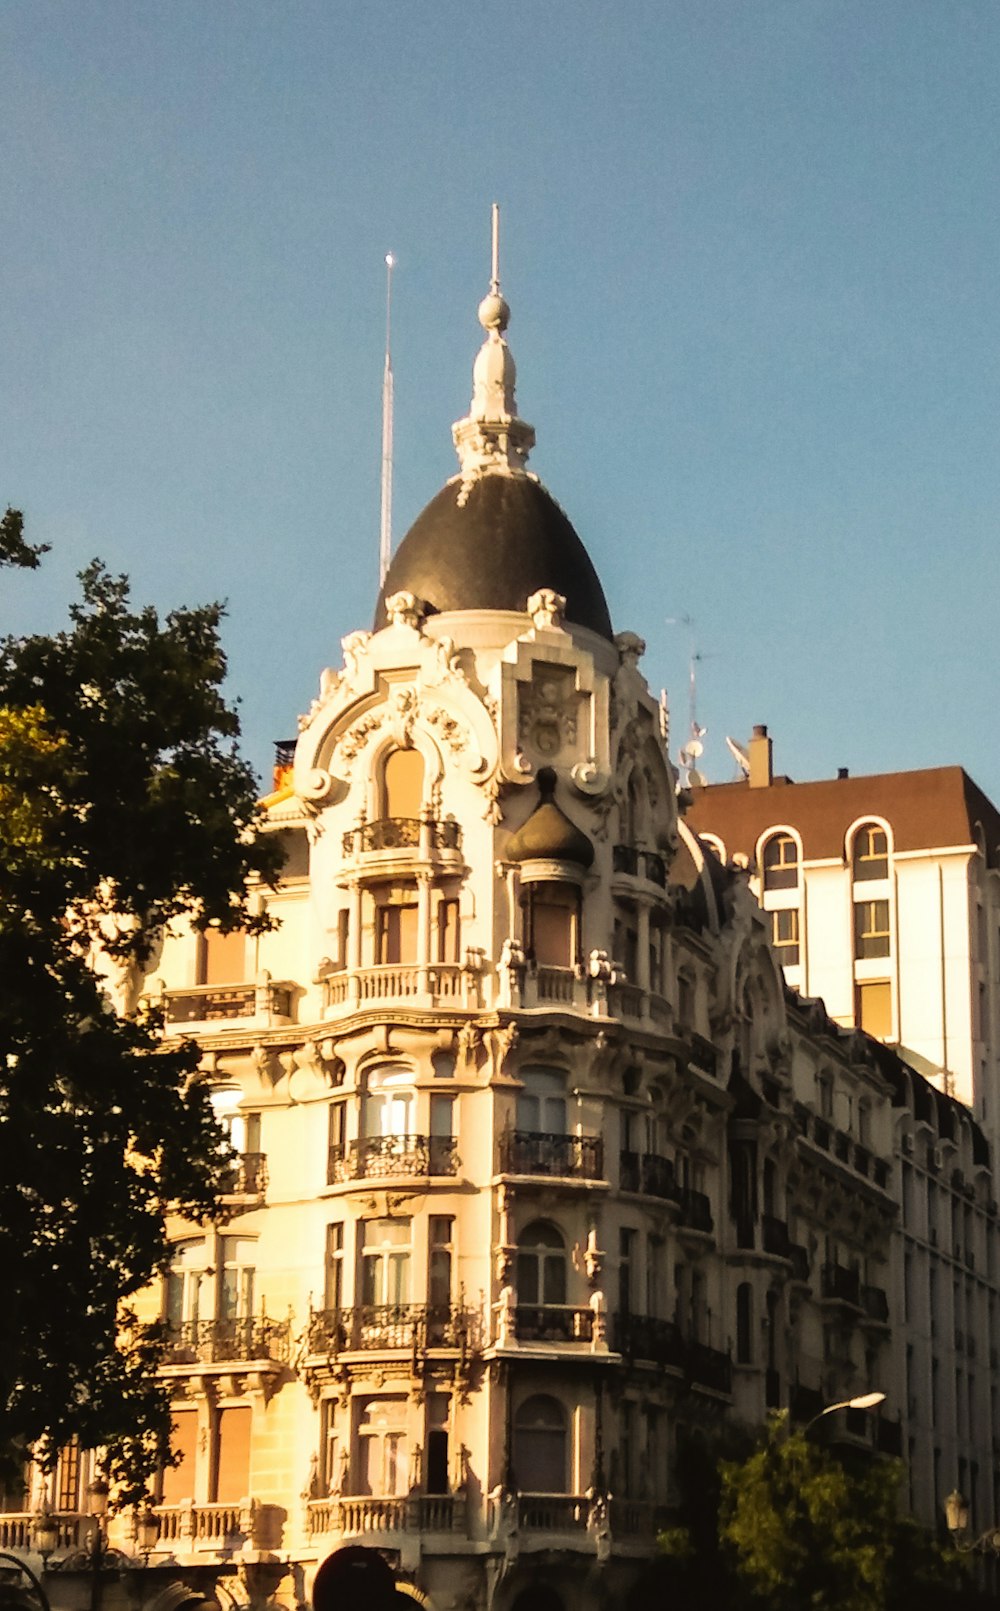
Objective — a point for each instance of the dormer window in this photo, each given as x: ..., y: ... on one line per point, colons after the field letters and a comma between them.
x: 781, y: 862
x: 871, y: 852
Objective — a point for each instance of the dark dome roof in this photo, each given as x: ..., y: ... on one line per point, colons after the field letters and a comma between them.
x: 506, y: 541
x: 548, y: 834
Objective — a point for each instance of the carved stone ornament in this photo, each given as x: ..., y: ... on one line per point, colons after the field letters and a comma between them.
x: 450, y: 730
x: 630, y: 648
x: 547, y: 710
x: 492, y: 812
x: 406, y: 610
x: 546, y: 608
x: 354, y: 741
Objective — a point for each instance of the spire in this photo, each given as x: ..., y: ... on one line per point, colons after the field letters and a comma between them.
x: 492, y: 437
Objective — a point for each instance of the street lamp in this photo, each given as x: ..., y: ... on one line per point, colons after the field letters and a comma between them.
x: 956, y: 1512
x: 863, y: 1401
x: 97, y: 1556
x: 26, y: 1571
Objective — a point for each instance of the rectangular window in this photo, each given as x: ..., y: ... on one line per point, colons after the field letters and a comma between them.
x: 231, y: 1455
x: 442, y: 1130
x: 626, y: 1265
x: 67, y: 1484
x: 448, y: 932
x: 785, y: 935
x: 330, y: 1473
x: 222, y: 957
x: 381, y: 1447
x: 871, y: 929
x: 343, y: 931
x: 177, y: 1482
x: 873, y: 1013
x: 385, y: 1262
x: 236, y: 1278
x: 396, y: 934
x: 436, y: 1481
x: 440, y: 1232
x: 334, y: 1295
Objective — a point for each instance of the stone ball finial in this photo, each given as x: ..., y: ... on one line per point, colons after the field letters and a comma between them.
x: 494, y: 313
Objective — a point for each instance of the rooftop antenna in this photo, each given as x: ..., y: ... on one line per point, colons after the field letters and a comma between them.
x: 385, y: 535
x: 692, y: 750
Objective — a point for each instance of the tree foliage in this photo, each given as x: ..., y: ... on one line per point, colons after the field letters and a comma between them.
x: 14, y: 550
x: 804, y: 1530
x: 124, y: 806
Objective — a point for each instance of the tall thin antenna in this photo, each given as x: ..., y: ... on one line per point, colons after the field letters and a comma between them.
x: 495, y: 276
x: 385, y: 535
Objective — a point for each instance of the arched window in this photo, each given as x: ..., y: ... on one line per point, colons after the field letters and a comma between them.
x: 540, y: 1446
x: 402, y: 784
x: 744, y: 1323
x: 541, y: 1266
x: 781, y: 862
x: 870, y: 852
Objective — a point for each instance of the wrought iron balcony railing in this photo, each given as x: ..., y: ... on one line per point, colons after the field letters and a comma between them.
x: 839, y: 1283
x: 378, y: 1157
x: 215, y: 1342
x: 875, y: 1303
x: 372, y: 1327
x: 530, y: 1152
x: 215, y: 1003
x: 401, y: 833
x: 635, y: 863
x: 247, y: 1176
x: 553, y: 1322
x: 696, y: 1210
x: 774, y: 1237
x: 709, y: 1367
x: 648, y: 1173
x: 647, y: 1337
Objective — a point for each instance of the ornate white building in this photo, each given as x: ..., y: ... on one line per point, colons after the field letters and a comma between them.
x: 539, y: 1168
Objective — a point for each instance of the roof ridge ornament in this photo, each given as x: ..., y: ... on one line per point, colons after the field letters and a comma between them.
x: 491, y: 438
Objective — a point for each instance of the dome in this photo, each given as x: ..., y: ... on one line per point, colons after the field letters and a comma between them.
x: 489, y: 546
x: 548, y: 834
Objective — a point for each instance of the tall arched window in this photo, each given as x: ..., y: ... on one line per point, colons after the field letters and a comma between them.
x: 540, y: 1464
x: 541, y: 1266
x: 870, y: 852
x: 402, y: 784
x: 781, y: 862
x: 744, y: 1323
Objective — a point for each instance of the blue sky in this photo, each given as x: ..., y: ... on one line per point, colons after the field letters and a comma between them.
x: 751, y: 248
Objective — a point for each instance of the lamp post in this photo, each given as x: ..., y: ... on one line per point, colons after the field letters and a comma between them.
x: 97, y: 1556
x: 863, y: 1401
x: 26, y: 1571
x: 956, y: 1512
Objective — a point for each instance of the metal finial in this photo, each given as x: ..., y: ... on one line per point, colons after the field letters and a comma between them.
x: 495, y: 276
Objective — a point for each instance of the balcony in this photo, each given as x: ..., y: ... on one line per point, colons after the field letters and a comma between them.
x: 529, y: 1152
x: 403, y: 1513
x: 774, y: 1237
x: 558, y: 1323
x: 840, y: 1285
x: 875, y: 1303
x: 259, y: 1004
x: 371, y: 1328
x: 397, y: 1157
x: 421, y: 835
x: 17, y: 1526
x: 553, y: 1513
x: 648, y: 1174
x: 647, y: 864
x: 431, y: 984
x: 202, y: 1527
x: 696, y: 1210
x: 223, y: 1342
x: 709, y: 1367
x: 649, y: 1338
x: 247, y: 1176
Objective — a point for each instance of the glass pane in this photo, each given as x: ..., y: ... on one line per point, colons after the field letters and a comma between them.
x: 553, y: 935
x: 554, y: 1276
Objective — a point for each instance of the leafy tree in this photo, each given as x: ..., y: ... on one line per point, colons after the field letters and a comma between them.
x: 13, y: 548
x: 804, y: 1530
x: 123, y: 807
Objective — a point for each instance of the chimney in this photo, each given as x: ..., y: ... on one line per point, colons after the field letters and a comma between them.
x: 761, y: 773
x: 842, y: 773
